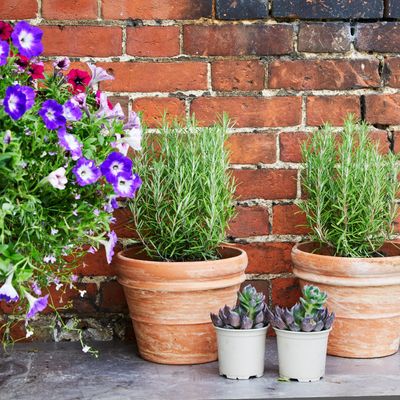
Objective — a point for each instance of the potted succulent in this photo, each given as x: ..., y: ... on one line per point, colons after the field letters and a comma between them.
x: 302, y: 336
x: 350, y: 204
x: 181, y: 270
x: 58, y: 188
x: 241, y: 333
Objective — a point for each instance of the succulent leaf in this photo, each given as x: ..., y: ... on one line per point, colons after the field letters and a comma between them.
x: 246, y: 322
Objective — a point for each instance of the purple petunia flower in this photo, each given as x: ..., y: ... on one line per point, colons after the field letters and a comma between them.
x: 57, y: 178
x: 36, y: 305
x: 18, y: 100
x: 80, y: 100
x: 98, y: 74
x: 127, y: 185
x: 52, y: 114
x: 72, y: 111
x: 92, y: 250
x: 36, y: 289
x: 61, y: 63
x: 7, y: 291
x: 109, y: 245
x: 27, y: 39
x: 105, y: 110
x: 70, y: 143
x: 114, y: 165
x: 4, y: 50
x: 7, y: 137
x: 86, y: 172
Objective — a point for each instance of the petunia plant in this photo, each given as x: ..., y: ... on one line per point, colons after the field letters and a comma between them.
x: 63, y: 170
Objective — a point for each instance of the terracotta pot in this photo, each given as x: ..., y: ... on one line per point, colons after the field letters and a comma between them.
x: 170, y: 302
x: 363, y: 292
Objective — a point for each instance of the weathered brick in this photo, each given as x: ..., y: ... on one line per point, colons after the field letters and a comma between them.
x: 250, y: 111
x: 324, y: 37
x: 154, y: 77
x: 383, y: 109
x: 124, y: 226
x: 268, y: 258
x: 82, y: 41
x: 290, y: 146
x: 392, y: 71
x: 252, y: 148
x: 382, y: 37
x: 156, y: 9
x: 231, y: 40
x: 392, y: 8
x: 18, y: 9
x: 241, y: 9
x: 332, y: 109
x: 154, y: 108
x: 153, y: 41
x: 269, y: 184
x: 285, y: 291
x: 323, y: 74
x: 249, y: 221
x: 329, y: 9
x: 112, y: 298
x: 288, y: 219
x: 61, y: 9
x: 237, y: 75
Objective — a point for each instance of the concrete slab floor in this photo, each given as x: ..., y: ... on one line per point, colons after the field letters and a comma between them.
x: 62, y: 371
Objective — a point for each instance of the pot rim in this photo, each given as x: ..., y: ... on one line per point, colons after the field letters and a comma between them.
x: 301, y: 333
x: 241, y: 330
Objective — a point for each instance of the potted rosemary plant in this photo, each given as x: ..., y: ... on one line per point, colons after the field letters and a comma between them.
x: 181, y: 271
x: 350, y: 205
x: 302, y: 336
x: 241, y: 333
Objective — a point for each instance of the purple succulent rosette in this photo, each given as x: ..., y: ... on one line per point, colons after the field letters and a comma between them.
x: 18, y: 100
x: 127, y: 185
x: 4, y: 50
x: 27, y: 39
x: 7, y: 291
x: 69, y: 142
x: 72, y: 111
x: 86, y: 172
x: 52, y: 114
x: 114, y: 165
x: 36, y: 305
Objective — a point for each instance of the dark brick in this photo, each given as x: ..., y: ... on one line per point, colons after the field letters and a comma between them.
x: 242, y: 9
x: 382, y: 37
x: 324, y: 37
x: 392, y: 8
x: 332, y: 9
x: 237, y: 40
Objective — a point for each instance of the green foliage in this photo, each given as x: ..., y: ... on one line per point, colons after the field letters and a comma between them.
x: 184, y: 205
x: 351, y: 190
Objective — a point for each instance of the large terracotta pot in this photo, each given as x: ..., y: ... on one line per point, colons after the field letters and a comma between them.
x: 363, y: 292
x: 170, y: 302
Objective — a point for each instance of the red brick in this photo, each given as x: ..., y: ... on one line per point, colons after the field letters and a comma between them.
x: 112, y: 298
x: 61, y: 9
x: 323, y: 74
x: 332, y: 109
x: 269, y: 184
x: 249, y: 221
x: 288, y: 219
x: 156, y: 9
x: 380, y: 137
x: 237, y: 75
x: 82, y: 41
x: 290, y: 146
x: 383, y: 109
x: 392, y: 68
x: 381, y: 37
x: 153, y: 109
x: 154, y: 77
x: 124, y: 226
x: 153, y: 41
x: 268, y: 258
x: 238, y: 40
x: 396, y: 138
x: 250, y: 111
x: 252, y: 148
x: 18, y: 9
x: 96, y: 264
x: 285, y: 291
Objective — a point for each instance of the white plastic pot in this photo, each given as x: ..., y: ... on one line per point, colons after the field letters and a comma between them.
x: 241, y: 352
x: 302, y: 355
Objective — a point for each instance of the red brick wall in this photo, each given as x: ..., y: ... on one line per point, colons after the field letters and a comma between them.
x: 273, y: 66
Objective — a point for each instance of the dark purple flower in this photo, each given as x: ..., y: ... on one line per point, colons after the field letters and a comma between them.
x: 18, y: 100
x: 36, y: 305
x: 70, y: 143
x: 27, y: 39
x: 72, y: 112
x: 86, y: 172
x: 127, y: 184
x: 7, y: 291
x: 61, y: 63
x: 114, y: 165
x: 4, y: 50
x: 52, y: 114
